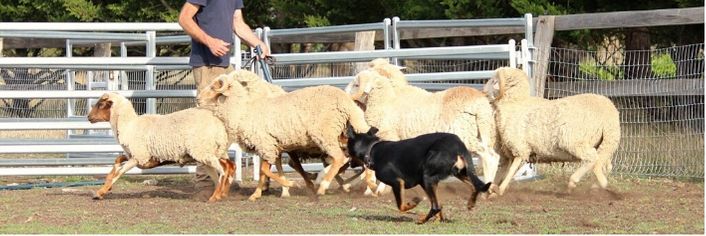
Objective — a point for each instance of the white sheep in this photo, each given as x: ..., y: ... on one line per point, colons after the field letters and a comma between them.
x: 583, y: 127
x: 257, y: 87
x: 181, y: 137
x: 304, y: 119
x: 403, y: 111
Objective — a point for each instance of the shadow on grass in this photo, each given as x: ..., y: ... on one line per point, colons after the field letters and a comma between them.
x: 388, y: 218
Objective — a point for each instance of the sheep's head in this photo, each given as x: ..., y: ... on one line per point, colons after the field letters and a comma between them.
x: 101, y: 110
x: 363, y: 84
x: 256, y: 86
x: 507, y: 81
x: 222, y: 87
x: 390, y: 71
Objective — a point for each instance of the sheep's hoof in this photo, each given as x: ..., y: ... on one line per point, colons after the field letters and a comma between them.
x: 213, y: 199
x: 492, y: 195
x: 493, y: 188
x: 97, y: 196
x: 571, y: 188
x: 254, y: 196
x: 346, y: 188
x: 321, y: 192
x: 285, y: 192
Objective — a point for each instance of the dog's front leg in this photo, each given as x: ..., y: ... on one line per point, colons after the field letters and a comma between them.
x: 399, y: 197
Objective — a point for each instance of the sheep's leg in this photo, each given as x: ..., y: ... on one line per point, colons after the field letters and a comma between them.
x: 489, y: 161
x: 265, y: 168
x: 229, y: 168
x: 341, y: 182
x: 220, y: 168
x: 588, y: 157
x: 261, y: 184
x: 320, y: 176
x: 510, y: 173
x: 336, y: 164
x: 430, y: 189
x: 600, y: 175
x: 381, y: 189
x: 296, y: 164
x: 347, y: 183
x: 280, y: 171
x: 504, y: 166
x: 370, y: 181
x: 119, y: 168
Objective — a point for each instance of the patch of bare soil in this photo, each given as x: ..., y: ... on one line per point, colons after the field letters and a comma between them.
x: 174, y: 206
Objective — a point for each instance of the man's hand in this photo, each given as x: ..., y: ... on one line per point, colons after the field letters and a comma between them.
x: 218, y: 47
x: 265, y: 50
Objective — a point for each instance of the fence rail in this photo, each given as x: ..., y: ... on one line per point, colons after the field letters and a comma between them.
x: 139, y: 77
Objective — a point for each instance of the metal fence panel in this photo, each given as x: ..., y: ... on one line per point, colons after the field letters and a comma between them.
x: 660, y: 96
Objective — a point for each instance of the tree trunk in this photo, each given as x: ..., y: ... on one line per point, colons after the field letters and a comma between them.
x: 637, y: 57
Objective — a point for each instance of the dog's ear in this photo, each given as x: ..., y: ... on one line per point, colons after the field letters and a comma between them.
x: 349, y: 131
x: 373, y: 131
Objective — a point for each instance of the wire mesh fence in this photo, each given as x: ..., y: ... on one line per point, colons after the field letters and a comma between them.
x: 660, y: 96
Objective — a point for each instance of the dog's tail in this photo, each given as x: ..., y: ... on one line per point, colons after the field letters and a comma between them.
x: 470, y: 171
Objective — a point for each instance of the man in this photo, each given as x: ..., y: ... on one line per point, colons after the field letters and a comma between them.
x: 211, y: 24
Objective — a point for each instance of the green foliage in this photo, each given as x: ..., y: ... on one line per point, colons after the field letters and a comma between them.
x: 602, y: 72
x: 82, y: 10
x: 316, y: 21
x: 663, y: 65
x: 537, y: 7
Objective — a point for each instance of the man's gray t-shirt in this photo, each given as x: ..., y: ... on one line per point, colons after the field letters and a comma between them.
x: 215, y: 17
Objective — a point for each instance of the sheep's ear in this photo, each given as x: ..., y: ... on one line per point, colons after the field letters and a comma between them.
x: 382, y: 72
x: 373, y: 131
x: 218, y: 85
x: 105, y: 104
x: 349, y: 131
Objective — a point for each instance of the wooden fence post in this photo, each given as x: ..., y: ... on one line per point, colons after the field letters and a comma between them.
x: 543, y: 42
x: 364, y: 41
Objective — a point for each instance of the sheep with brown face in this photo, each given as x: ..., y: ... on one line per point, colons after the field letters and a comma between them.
x: 190, y: 135
x: 581, y: 128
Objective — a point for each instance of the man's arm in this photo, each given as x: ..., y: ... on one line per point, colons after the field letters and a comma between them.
x: 186, y: 21
x: 244, y: 32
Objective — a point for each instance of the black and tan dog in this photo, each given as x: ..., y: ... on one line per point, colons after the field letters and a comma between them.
x: 424, y: 160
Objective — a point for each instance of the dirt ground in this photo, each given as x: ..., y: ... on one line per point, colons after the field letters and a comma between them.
x: 632, y: 205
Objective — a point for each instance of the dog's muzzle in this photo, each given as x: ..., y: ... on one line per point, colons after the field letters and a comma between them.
x: 368, y: 161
